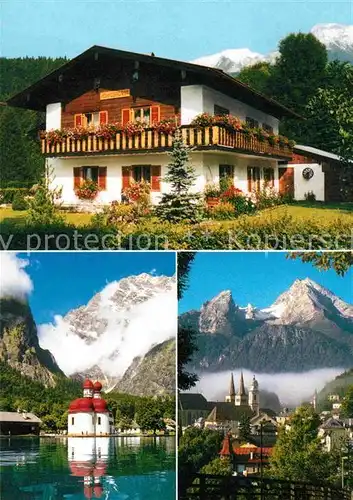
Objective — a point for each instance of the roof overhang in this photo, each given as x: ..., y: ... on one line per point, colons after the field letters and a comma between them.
x: 317, y: 154
x: 102, y: 66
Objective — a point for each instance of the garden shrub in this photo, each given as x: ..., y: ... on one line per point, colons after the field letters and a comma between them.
x: 139, y: 194
x: 310, y: 196
x: 18, y: 201
x: 7, y: 194
x: 267, y: 197
x: 222, y: 211
x: 241, y: 203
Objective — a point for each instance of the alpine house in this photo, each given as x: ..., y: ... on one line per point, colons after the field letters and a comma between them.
x: 111, y: 117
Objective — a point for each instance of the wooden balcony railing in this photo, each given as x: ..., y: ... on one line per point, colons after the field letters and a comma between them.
x: 214, y: 137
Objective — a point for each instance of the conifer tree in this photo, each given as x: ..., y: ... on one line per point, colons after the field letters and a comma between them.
x: 180, y: 204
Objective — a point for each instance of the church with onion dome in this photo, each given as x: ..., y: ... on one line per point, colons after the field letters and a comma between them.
x: 90, y: 416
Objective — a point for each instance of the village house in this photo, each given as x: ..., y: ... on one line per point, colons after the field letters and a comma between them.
x: 111, y: 116
x: 14, y: 423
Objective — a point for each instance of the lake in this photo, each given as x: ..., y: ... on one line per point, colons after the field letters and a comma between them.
x: 115, y: 468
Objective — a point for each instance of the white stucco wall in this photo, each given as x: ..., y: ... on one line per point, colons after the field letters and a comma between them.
x: 53, y: 116
x: 196, y: 99
x: 83, y: 423
x: 81, y: 449
x: 103, y: 427
x: 212, y: 161
x: 316, y: 184
x: 206, y: 167
x: 62, y: 174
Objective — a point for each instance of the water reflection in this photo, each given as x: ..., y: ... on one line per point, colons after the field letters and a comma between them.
x: 75, y: 468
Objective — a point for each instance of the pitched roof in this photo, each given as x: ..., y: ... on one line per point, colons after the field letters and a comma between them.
x: 103, y: 63
x: 14, y: 416
x: 332, y: 423
x: 318, y: 154
x: 192, y: 401
x: 222, y: 412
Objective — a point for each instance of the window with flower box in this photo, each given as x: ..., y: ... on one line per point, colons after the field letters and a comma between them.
x: 94, y: 119
x: 90, y: 173
x: 141, y: 114
x: 268, y: 128
x: 269, y: 176
x: 138, y: 173
x: 254, y: 179
x: 251, y: 122
x: 141, y: 173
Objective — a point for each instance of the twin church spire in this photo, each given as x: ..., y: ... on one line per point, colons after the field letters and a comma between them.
x: 241, y: 398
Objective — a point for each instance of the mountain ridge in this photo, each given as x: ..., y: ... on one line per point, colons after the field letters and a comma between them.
x: 306, y: 327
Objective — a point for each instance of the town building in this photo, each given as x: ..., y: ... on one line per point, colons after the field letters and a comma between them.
x: 90, y: 416
x: 111, y: 115
x: 14, y: 423
x: 246, y: 459
x: 335, y: 432
x: 194, y: 409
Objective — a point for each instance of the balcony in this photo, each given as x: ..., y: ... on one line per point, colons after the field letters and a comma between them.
x: 210, y: 138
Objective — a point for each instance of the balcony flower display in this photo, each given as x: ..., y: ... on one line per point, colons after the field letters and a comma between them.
x: 53, y: 136
x: 167, y: 127
x: 88, y: 190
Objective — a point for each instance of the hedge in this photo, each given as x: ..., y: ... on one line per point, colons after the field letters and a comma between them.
x: 246, y: 233
x: 7, y: 194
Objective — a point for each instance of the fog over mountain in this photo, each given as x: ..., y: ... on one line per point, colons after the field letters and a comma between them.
x: 118, y: 326
x: 291, y: 388
x: 338, y: 39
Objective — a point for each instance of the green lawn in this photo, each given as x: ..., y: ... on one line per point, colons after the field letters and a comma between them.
x: 299, y: 211
x: 18, y: 217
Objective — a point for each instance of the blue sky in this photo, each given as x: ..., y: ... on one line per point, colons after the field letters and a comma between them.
x: 254, y: 277
x: 65, y: 280
x: 180, y: 29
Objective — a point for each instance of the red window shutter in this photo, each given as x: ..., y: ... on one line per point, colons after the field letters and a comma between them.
x: 126, y: 171
x: 125, y: 116
x: 102, y: 178
x: 155, y: 114
x: 78, y: 121
x: 77, y: 177
x: 249, y: 179
x: 155, y: 178
x: 103, y: 117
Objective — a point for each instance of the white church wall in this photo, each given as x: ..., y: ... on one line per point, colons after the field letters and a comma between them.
x: 102, y: 424
x: 81, y: 424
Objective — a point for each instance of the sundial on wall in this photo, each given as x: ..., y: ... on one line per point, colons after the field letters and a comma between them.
x: 308, y: 173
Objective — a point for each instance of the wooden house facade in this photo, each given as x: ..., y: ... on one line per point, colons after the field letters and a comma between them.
x: 111, y: 115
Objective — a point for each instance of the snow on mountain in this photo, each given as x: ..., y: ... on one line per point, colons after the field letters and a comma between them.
x: 231, y: 60
x: 123, y: 321
x: 338, y: 39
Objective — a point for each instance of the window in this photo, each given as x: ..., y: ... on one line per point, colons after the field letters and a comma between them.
x: 141, y: 115
x: 218, y: 110
x: 90, y: 173
x: 269, y: 176
x: 254, y: 178
x: 99, y: 420
x: 226, y: 171
x: 268, y: 128
x: 141, y: 173
x: 72, y: 421
x: 252, y: 122
x: 92, y: 119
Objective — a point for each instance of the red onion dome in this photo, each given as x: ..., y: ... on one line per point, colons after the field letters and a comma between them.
x: 97, y: 386
x: 81, y: 469
x: 88, y: 384
x: 100, y: 469
x: 85, y: 404
x: 100, y: 405
x: 98, y: 491
x: 73, y: 405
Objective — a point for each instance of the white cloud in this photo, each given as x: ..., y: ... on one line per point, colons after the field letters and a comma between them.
x: 14, y: 280
x: 129, y: 333
x: 291, y: 388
